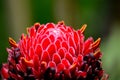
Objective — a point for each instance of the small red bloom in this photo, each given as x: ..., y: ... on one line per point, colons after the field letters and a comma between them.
x: 54, y: 52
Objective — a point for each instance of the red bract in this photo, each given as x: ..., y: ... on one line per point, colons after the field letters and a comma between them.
x: 54, y: 52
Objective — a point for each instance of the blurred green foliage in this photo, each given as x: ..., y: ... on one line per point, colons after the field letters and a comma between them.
x: 99, y: 15
x: 111, y: 53
x: 42, y: 11
x: 3, y: 35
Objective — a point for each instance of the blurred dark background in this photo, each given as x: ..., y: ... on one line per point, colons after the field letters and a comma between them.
x: 101, y: 16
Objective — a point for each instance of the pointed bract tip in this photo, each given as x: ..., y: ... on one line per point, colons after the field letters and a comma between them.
x: 12, y: 42
x: 97, y: 54
x: 73, y: 66
x: 82, y: 29
x: 37, y: 25
x: 43, y: 64
x: 96, y: 44
x: 26, y: 62
x: 61, y: 22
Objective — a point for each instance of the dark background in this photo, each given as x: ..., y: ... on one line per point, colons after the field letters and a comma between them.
x: 101, y: 16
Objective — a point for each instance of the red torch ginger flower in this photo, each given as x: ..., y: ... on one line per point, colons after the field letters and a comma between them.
x: 53, y: 52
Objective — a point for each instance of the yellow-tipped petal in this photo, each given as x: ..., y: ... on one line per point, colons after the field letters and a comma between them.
x: 26, y: 62
x: 27, y: 29
x: 83, y: 28
x: 73, y: 66
x: 96, y: 44
x: 37, y: 25
x: 43, y: 64
x: 12, y: 42
x: 96, y: 52
x: 61, y: 22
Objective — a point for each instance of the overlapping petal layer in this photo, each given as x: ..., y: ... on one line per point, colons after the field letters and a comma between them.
x: 54, y: 52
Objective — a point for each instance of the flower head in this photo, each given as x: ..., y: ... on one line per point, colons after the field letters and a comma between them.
x: 53, y: 52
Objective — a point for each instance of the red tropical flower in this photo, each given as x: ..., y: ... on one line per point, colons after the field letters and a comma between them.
x: 54, y: 52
